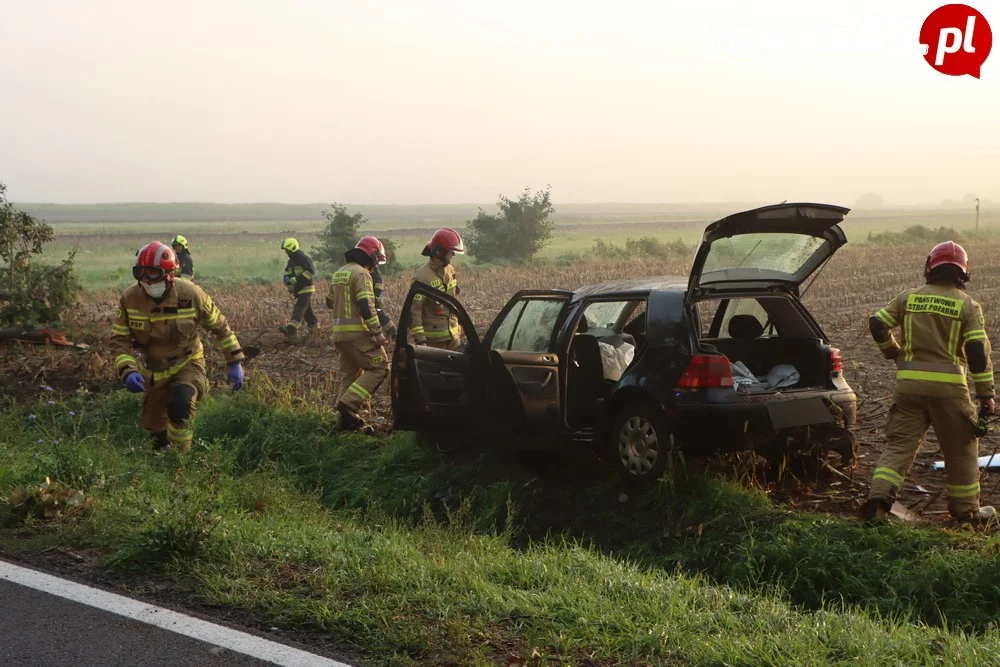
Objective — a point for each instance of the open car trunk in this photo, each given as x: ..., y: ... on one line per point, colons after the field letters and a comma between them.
x: 768, y: 361
x: 771, y: 341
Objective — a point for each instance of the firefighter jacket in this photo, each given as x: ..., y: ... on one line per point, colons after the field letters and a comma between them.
x: 186, y: 268
x: 430, y: 320
x: 352, y: 300
x: 937, y: 320
x: 299, y: 274
x: 165, y: 334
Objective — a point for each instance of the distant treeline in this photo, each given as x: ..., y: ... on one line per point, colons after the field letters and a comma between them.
x: 377, y: 213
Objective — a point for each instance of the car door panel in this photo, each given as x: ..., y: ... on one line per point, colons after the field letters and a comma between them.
x: 536, y: 379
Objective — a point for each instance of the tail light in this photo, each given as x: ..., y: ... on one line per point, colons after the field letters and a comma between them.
x: 707, y: 370
x: 836, y: 363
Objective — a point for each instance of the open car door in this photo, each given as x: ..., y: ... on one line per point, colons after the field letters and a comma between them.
x: 435, y: 389
x: 779, y: 245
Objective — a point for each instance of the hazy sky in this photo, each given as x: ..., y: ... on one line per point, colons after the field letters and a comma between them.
x: 434, y: 101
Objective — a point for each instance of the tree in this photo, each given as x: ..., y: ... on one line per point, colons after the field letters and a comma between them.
x: 520, y: 230
x: 869, y: 200
x: 342, y: 232
x: 31, y: 293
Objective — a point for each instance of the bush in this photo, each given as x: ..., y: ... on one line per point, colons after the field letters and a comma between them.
x: 647, y: 246
x: 518, y: 233
x: 916, y: 234
x: 30, y: 293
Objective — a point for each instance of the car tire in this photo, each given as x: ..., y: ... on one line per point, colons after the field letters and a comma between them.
x: 640, y: 443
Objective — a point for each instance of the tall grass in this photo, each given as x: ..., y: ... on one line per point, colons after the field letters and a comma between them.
x: 410, y: 555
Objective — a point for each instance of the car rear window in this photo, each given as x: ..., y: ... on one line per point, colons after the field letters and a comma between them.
x: 781, y: 252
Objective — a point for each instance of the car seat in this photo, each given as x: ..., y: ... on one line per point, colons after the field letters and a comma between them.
x: 585, y: 382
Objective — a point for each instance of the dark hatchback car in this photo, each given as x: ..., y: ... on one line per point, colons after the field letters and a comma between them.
x: 723, y: 359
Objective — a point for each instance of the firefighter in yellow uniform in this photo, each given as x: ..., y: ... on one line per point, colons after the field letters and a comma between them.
x: 943, y: 334
x: 431, y: 323
x: 159, y: 317
x: 357, y: 333
x: 182, y: 250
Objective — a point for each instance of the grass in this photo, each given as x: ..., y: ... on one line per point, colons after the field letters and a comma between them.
x: 414, y: 557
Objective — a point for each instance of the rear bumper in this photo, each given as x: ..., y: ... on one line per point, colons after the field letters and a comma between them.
x: 725, y: 415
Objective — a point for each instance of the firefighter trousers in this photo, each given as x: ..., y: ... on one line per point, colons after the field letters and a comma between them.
x: 169, y: 406
x: 953, y: 418
x: 303, y: 310
x: 450, y: 344
x: 363, y: 367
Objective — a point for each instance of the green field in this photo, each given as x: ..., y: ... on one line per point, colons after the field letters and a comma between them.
x: 229, y: 251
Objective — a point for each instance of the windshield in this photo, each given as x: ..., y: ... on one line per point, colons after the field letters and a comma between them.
x: 779, y: 252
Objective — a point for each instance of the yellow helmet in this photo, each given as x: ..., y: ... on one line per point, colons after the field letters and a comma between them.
x: 181, y: 241
x: 290, y: 244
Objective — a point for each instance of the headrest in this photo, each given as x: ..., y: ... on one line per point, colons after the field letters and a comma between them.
x: 745, y: 326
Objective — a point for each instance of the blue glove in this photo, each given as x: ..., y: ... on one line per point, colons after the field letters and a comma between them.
x: 235, y: 376
x: 134, y: 382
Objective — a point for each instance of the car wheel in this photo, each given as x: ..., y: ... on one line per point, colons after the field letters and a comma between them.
x: 640, y: 444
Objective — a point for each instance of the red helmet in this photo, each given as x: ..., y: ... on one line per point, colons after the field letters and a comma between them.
x: 948, y: 252
x: 154, y: 262
x: 373, y: 248
x: 443, y: 240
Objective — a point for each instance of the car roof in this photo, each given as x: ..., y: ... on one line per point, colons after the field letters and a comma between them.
x: 637, y: 287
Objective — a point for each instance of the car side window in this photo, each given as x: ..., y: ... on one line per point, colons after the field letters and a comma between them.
x: 501, y: 339
x: 529, y: 326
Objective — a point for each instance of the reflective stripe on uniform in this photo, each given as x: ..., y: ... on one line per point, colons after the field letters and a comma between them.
x: 975, y: 334
x: 985, y: 376
x: 214, y: 317
x: 441, y: 335
x: 452, y: 284
x: 229, y: 342
x: 156, y: 376
x: 366, y: 295
x: 889, y: 475
x: 885, y: 318
x: 119, y: 330
x: 175, y: 434
x: 306, y: 290
x: 182, y: 314
x: 417, y: 331
x: 963, y: 490
x: 348, y: 324
x: 887, y: 345
x: 124, y: 360
x: 930, y: 376
x: 907, y: 337
x: 372, y: 323
x: 360, y: 391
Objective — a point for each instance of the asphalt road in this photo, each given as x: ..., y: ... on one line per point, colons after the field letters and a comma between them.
x: 41, y: 629
x: 46, y: 620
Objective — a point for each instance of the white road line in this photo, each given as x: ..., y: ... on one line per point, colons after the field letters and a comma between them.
x: 171, y: 621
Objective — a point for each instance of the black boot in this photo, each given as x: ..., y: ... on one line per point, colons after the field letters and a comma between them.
x: 351, y: 421
x: 875, y: 509
x: 160, y: 440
